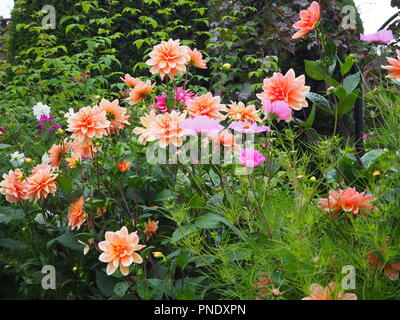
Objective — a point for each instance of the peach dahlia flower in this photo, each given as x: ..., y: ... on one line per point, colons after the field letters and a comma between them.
x: 133, y: 82
x: 206, y: 105
x: 40, y: 184
x: 119, y: 250
x: 239, y: 112
x: 318, y: 292
x: 348, y: 200
x: 308, y: 20
x: 168, y: 58
x: 150, y: 227
x: 391, y: 269
x: 139, y: 93
x: 88, y: 123
x: 76, y: 214
x: 13, y: 186
x: 115, y: 114
x: 196, y: 58
x: 166, y: 129
x: 394, y: 68
x: 146, y: 122
x: 57, y: 151
x: 288, y: 88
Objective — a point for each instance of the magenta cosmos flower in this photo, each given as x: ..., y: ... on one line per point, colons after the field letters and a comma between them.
x: 248, y: 127
x: 280, y: 109
x: 251, y: 158
x: 201, y: 124
x: 183, y: 95
x: 382, y: 36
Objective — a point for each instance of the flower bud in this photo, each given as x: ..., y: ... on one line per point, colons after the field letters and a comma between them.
x: 158, y: 254
x: 227, y: 66
x: 28, y: 160
x: 60, y: 131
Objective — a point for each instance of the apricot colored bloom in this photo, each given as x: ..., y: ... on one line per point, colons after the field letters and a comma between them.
x: 239, y: 112
x: 348, y: 200
x: 146, y: 122
x: 81, y: 150
x: 42, y: 166
x: 139, y: 93
x: 391, y: 269
x: 332, y: 292
x: 76, y: 214
x: 88, y: 123
x: 115, y: 114
x: 41, y: 183
x: 119, y: 250
x: 308, y: 20
x: 206, y: 105
x: 133, y: 82
x: 150, y: 227
x: 168, y: 58
x: 287, y: 88
x: 166, y: 129
x: 196, y: 58
x: 394, y: 68
x: 226, y: 139
x: 13, y: 186
x: 57, y: 151
x: 124, y: 166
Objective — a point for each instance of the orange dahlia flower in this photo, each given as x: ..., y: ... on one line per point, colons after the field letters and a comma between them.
x: 123, y: 166
x: 391, y: 269
x: 40, y: 184
x: 139, y: 93
x: 133, y: 82
x: 226, y: 139
x: 288, y: 88
x: 115, y: 114
x: 348, y: 200
x: 239, y: 112
x: 394, y: 67
x: 76, y: 214
x: 150, y: 227
x: 146, y: 121
x: 88, y: 123
x: 119, y: 250
x: 166, y: 129
x: 308, y: 20
x: 196, y: 58
x: 13, y: 186
x: 317, y: 292
x: 206, y: 105
x: 168, y: 58
x: 57, y: 151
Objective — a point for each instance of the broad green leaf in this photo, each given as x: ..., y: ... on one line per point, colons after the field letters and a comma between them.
x: 121, y: 288
x: 315, y: 69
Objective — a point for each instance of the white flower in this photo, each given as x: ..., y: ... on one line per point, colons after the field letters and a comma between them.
x: 41, y: 109
x: 70, y: 113
x: 46, y: 158
x: 17, y: 159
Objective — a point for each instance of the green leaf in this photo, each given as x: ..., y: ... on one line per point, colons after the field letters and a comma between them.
x: 68, y: 240
x: 315, y: 69
x: 372, y: 157
x: 4, y: 146
x: 8, y: 214
x: 106, y: 284
x: 348, y: 64
x: 64, y: 183
x: 310, y: 119
x: 182, y: 184
x: 182, y: 232
x: 121, y: 288
x: 351, y: 82
x: 12, y: 244
x: 347, y: 103
x: 320, y: 102
x: 208, y: 221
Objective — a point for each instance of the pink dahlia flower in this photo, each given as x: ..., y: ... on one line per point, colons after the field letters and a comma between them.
x: 248, y: 127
